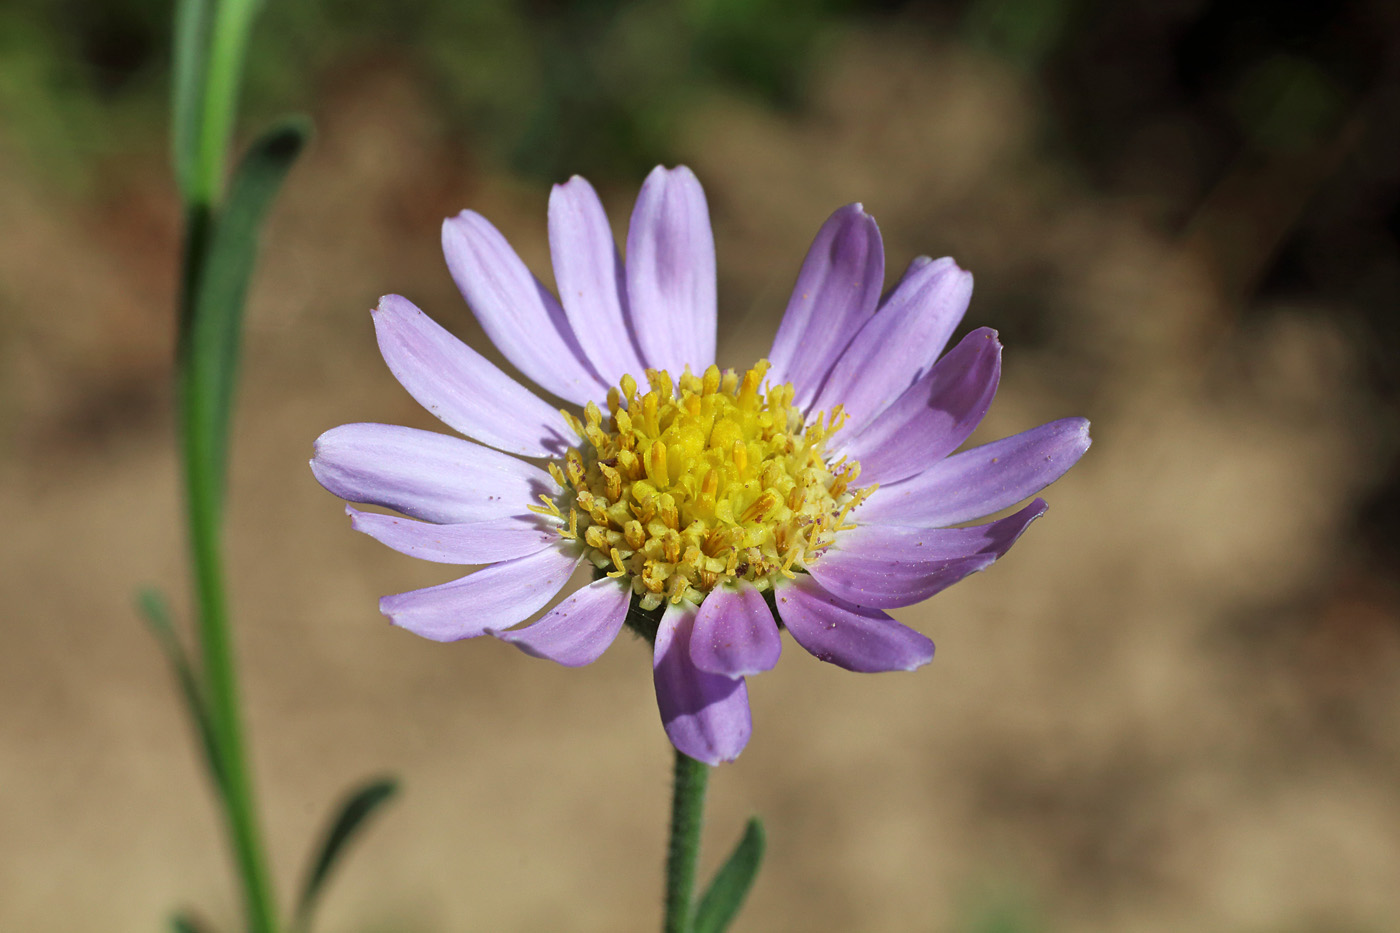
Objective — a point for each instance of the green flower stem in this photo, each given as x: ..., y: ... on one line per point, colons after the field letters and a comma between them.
x: 203, y: 496
x: 687, y: 816
x: 211, y: 44
x: 687, y: 805
x: 228, y: 45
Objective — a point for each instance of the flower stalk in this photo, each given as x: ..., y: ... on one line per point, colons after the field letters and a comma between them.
x: 220, y: 675
x: 211, y: 41
x: 683, y: 853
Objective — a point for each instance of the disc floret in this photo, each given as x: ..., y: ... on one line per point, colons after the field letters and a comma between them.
x: 700, y: 481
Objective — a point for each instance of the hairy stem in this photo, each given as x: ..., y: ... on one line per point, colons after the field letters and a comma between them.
x: 687, y: 815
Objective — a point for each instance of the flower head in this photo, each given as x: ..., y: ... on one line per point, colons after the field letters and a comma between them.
x: 820, y: 482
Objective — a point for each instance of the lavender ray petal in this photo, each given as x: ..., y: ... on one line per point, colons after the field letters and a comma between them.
x: 578, y: 630
x: 735, y: 634
x: 982, y: 480
x: 486, y: 542
x: 888, y: 566
x: 842, y: 633
x: 897, y: 346
x: 591, y: 279
x: 871, y: 583
x: 435, y: 477
x: 671, y: 272
x: 935, y: 415
x: 495, y: 597
x: 467, y: 392
x: 706, y: 715
x: 837, y: 290
x: 908, y: 542
x: 521, y: 317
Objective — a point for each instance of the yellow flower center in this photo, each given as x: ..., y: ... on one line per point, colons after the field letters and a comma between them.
x: 691, y: 485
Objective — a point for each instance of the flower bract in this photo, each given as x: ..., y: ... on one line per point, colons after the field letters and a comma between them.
x: 823, y: 483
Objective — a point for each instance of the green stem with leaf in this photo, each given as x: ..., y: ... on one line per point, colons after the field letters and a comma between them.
x: 209, y: 54
x: 724, y: 897
x: 220, y: 245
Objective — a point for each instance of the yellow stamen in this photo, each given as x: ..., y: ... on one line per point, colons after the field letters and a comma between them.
x: 702, y: 480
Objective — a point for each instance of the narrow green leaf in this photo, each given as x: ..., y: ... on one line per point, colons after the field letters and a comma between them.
x: 191, y: 50
x: 225, y: 266
x: 184, y: 923
x: 726, y: 894
x: 350, y: 819
x: 156, y: 611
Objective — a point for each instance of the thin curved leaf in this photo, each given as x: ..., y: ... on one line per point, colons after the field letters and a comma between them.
x: 156, y: 612
x: 221, y: 285
x: 731, y: 884
x: 350, y: 819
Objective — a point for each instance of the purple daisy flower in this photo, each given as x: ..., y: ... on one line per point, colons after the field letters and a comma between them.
x: 822, y: 482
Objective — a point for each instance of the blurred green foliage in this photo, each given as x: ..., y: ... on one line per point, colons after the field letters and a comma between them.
x: 1023, y: 32
x: 544, y: 86
x: 1000, y: 906
x: 1287, y: 104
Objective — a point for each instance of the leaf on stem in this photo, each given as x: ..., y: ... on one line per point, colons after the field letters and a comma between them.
x: 731, y: 884
x: 184, y: 923
x: 353, y: 812
x: 156, y: 611
x: 222, y: 284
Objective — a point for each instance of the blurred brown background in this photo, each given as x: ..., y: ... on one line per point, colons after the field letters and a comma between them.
x: 1174, y: 706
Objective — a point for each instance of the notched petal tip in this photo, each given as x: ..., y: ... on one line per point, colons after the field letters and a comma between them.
x: 454, y: 223
x: 987, y: 333
x: 855, y: 213
x: 1083, y: 428
x: 317, y: 462
x: 389, y: 607
x: 573, y: 181
x: 679, y: 168
x: 1075, y: 431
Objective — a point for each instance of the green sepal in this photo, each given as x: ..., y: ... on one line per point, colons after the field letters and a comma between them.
x: 350, y: 819
x: 644, y: 622
x: 731, y: 883
x: 153, y: 607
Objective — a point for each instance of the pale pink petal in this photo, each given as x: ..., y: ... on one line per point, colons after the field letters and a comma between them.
x: 431, y: 476
x: 519, y: 314
x: 980, y: 481
x: 836, y: 292
x: 892, y: 566
x: 850, y: 636
x: 592, y: 284
x: 671, y: 272
x: 463, y: 388
x: 932, y: 418
x: 897, y: 346
x: 735, y: 633
x: 486, y: 542
x: 706, y: 715
x: 495, y: 597
x: 578, y: 630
